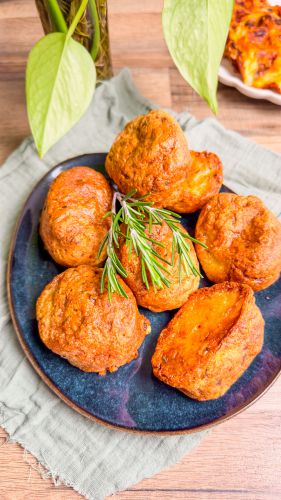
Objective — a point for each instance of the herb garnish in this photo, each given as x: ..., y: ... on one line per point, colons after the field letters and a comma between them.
x: 137, y: 215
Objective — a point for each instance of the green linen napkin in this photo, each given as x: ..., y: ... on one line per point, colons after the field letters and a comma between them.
x: 93, y: 459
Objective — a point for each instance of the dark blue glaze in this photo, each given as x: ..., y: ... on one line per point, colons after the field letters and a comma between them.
x: 130, y: 398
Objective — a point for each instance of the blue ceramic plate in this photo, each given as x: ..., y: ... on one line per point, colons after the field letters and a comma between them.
x: 131, y: 398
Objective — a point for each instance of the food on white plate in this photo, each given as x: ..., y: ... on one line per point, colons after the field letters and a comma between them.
x: 254, y: 43
x: 242, y: 8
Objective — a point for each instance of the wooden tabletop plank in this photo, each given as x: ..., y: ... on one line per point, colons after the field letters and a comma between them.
x: 241, y: 458
x: 237, y: 459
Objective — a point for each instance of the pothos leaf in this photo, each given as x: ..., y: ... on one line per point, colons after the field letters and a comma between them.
x: 195, y: 32
x: 60, y: 81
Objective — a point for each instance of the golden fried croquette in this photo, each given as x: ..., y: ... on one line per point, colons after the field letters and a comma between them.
x: 149, y: 155
x: 166, y: 298
x: 210, y: 342
x: 72, y: 225
x: 79, y: 323
x: 204, y: 180
x: 254, y: 44
x: 243, y: 239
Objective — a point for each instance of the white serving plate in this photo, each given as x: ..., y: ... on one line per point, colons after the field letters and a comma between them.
x: 229, y: 76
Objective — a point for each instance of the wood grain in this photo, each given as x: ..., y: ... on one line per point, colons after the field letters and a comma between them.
x: 241, y: 458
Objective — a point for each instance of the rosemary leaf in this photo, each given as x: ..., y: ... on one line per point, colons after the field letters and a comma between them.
x: 139, y: 216
x: 102, y: 245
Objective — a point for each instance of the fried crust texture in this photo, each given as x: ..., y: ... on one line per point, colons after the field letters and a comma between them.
x: 243, y: 239
x: 149, y: 155
x: 72, y: 225
x: 210, y: 342
x: 204, y: 180
x: 165, y: 298
x: 79, y: 323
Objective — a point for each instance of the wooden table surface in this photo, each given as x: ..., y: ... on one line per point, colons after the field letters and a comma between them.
x: 241, y: 458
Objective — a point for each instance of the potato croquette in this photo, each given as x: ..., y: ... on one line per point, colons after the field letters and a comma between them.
x: 149, y: 155
x: 72, y: 225
x: 79, y: 323
x: 210, y: 342
x: 166, y: 298
x: 243, y: 239
x: 204, y: 180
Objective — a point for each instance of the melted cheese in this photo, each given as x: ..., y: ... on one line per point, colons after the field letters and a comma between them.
x: 254, y: 43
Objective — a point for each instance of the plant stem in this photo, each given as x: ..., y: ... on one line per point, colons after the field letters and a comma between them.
x: 113, y: 210
x: 77, y: 18
x: 91, y: 30
x: 96, y: 23
x: 57, y: 16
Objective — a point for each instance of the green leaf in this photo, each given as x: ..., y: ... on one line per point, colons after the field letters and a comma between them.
x: 60, y: 82
x: 195, y: 32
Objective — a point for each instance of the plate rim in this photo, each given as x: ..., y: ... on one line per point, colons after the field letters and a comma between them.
x: 235, y: 81
x: 74, y: 406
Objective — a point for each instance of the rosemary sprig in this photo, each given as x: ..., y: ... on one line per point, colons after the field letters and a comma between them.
x: 112, y: 266
x: 137, y: 215
x: 179, y: 241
